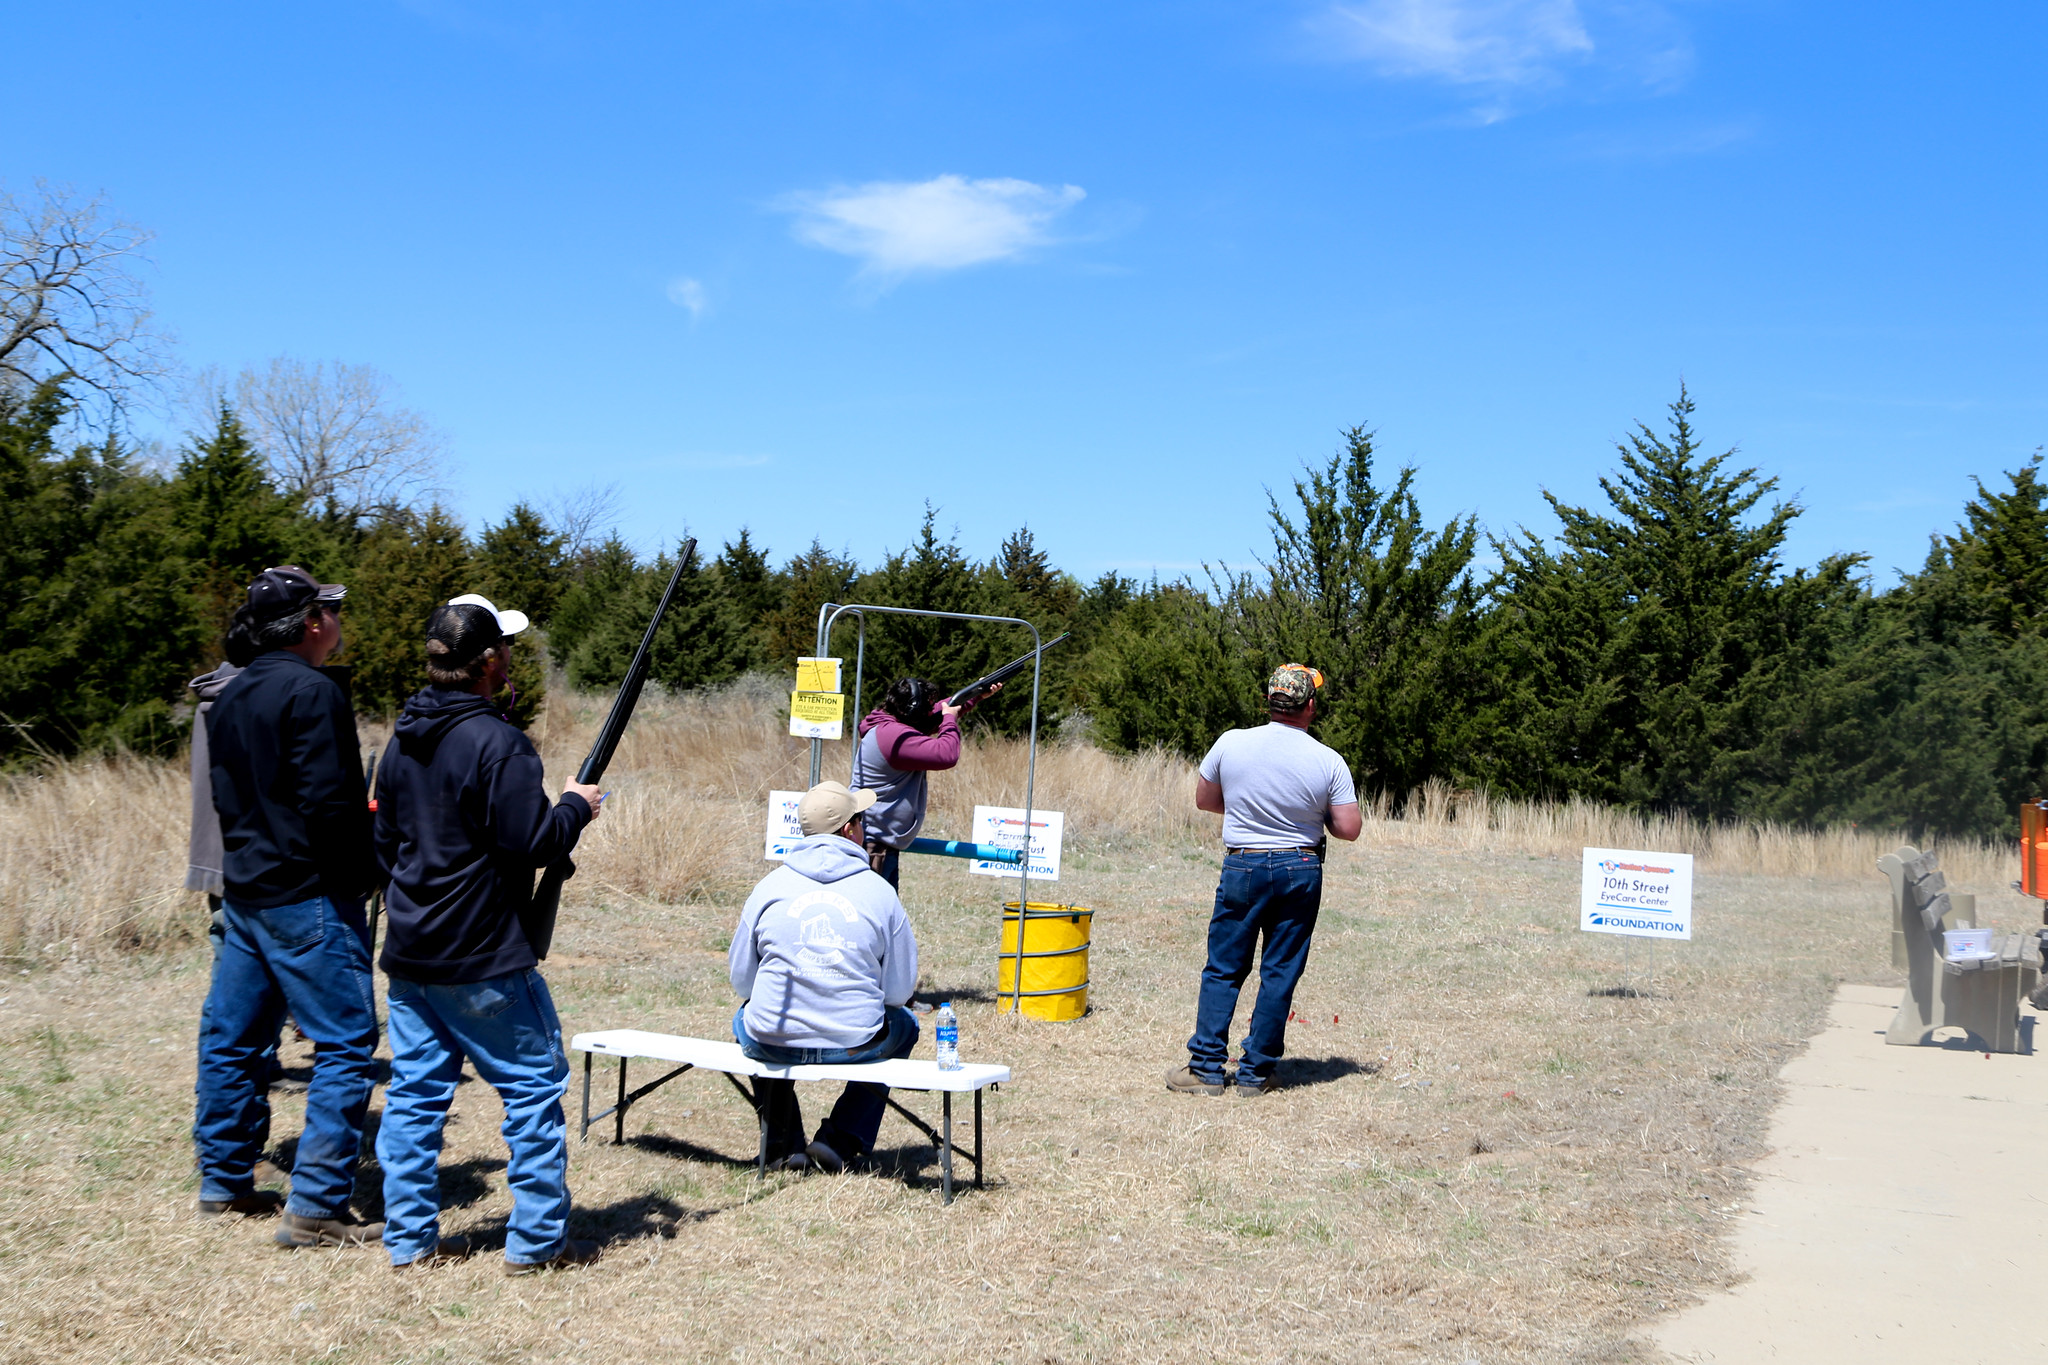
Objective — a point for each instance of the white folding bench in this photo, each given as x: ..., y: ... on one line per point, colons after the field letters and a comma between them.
x: 706, y: 1055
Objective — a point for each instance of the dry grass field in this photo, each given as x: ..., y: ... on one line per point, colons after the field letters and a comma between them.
x: 1481, y: 1153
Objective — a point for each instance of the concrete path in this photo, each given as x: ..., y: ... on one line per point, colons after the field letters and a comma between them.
x: 1900, y: 1215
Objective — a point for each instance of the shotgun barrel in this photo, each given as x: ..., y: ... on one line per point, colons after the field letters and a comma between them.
x: 539, y: 921
x: 975, y: 690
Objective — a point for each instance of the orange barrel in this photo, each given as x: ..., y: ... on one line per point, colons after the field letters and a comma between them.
x: 1054, y: 951
x: 2034, y: 849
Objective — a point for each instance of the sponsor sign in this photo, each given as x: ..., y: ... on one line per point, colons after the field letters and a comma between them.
x: 783, y: 829
x: 1003, y: 827
x: 1626, y: 891
x: 816, y: 715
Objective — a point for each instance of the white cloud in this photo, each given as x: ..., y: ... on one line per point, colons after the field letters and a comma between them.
x: 895, y: 228
x: 1467, y: 42
x: 688, y: 293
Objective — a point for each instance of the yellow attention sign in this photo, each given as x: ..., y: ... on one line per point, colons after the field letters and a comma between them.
x: 818, y: 708
x: 817, y: 675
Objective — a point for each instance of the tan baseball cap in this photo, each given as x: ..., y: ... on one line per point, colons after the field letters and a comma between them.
x: 829, y: 805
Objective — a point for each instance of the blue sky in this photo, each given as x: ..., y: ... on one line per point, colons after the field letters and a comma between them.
x: 1108, y: 270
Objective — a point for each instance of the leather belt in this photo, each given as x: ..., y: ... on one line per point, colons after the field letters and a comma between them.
x: 1310, y: 848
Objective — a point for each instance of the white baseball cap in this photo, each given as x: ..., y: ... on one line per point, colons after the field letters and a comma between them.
x: 509, y: 622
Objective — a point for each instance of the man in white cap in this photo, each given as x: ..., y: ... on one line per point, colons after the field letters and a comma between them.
x: 825, y: 962
x: 462, y: 822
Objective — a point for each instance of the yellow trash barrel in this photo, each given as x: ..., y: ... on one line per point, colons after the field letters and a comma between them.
x: 1055, y: 958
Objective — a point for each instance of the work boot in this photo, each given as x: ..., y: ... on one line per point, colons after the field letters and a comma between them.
x: 571, y: 1255
x: 447, y: 1251
x: 1247, y: 1084
x: 824, y: 1158
x: 346, y: 1230
x: 255, y: 1204
x: 796, y: 1163
x: 1184, y: 1081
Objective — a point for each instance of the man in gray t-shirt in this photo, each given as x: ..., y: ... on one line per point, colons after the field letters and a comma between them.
x: 1278, y: 791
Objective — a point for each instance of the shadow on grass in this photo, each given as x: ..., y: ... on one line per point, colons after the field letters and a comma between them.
x: 1295, y: 1072
x: 660, y: 1144
x: 973, y: 995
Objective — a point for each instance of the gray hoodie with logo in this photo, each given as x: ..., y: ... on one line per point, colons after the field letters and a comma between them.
x: 823, y: 947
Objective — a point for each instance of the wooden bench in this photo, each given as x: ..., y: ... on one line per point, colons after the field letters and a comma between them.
x: 704, y: 1054
x: 1981, y: 997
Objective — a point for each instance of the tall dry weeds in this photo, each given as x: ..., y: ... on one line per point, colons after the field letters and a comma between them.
x: 95, y: 849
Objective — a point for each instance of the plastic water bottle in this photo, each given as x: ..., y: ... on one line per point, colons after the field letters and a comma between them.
x: 946, y: 1029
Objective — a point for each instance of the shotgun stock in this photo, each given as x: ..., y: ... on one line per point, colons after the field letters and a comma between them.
x: 539, y: 920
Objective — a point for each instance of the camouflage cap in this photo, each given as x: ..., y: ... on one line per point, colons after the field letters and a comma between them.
x: 1292, y: 687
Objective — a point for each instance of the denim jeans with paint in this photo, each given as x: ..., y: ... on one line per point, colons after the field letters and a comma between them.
x: 1269, y: 894
x: 508, y: 1030
x: 855, y: 1120
x: 313, y: 959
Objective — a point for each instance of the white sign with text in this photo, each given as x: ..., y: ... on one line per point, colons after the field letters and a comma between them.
x: 783, y: 827
x: 1626, y: 891
x: 1003, y: 827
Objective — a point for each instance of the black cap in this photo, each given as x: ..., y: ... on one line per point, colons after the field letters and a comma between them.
x: 464, y: 631
x: 282, y: 591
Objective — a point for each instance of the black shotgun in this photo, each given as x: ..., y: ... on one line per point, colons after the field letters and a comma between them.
x: 539, y: 920
x: 975, y: 690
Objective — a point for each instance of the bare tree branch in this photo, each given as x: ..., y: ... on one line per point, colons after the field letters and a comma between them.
x: 581, y: 516
x: 70, y: 301
x: 335, y: 436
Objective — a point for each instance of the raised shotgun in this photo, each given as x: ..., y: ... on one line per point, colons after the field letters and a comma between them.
x: 539, y: 920
x: 976, y: 689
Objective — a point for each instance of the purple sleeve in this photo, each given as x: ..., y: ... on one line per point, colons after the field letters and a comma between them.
x: 910, y: 752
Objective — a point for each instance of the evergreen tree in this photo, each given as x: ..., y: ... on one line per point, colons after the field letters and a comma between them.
x: 808, y: 581
x: 235, y: 522
x: 748, y: 592
x: 520, y: 564
x: 97, y: 630
x: 1385, y: 607
x: 1640, y: 661
x: 410, y: 565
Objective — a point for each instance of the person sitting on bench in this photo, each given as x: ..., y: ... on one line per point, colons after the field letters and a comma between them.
x: 824, y: 961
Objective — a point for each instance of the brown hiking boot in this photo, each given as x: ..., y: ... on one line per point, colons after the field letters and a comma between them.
x: 1183, y: 1081
x: 345, y: 1231
x: 447, y: 1251
x: 571, y: 1255
x: 255, y: 1204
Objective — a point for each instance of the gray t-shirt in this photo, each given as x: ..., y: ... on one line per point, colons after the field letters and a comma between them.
x: 1278, y: 783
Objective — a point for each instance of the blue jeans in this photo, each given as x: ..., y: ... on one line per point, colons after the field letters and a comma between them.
x: 507, y: 1028
x: 1270, y: 894
x: 312, y: 958
x: 850, y: 1129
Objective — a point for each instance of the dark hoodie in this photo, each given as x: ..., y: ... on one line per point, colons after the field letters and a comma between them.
x: 462, y: 822
x: 288, y: 786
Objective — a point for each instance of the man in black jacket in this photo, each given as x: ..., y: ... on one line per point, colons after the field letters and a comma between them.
x: 287, y: 784
x: 463, y: 820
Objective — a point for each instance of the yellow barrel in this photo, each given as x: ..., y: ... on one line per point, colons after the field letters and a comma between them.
x: 1055, y: 961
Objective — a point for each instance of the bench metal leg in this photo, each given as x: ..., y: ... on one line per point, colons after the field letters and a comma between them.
x: 617, y: 1113
x: 946, y: 1146
x: 977, y: 1139
x: 584, y: 1135
x: 619, y: 1123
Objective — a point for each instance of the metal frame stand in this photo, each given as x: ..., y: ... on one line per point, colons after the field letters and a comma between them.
x: 828, y: 617
x: 941, y: 1140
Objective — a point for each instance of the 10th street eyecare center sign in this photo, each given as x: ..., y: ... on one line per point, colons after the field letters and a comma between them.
x: 1624, y: 891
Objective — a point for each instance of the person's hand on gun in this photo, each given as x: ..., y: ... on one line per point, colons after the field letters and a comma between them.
x: 946, y: 708
x: 591, y: 796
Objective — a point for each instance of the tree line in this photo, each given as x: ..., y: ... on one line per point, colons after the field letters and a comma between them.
x: 1654, y: 653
